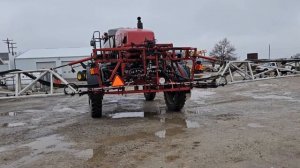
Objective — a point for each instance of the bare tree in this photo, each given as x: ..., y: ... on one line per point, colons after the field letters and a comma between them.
x: 296, y: 56
x: 224, y: 50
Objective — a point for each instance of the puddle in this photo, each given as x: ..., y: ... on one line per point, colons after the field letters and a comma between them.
x: 48, y: 144
x: 33, y: 111
x: 127, y: 115
x: 62, y: 108
x: 12, y: 113
x: 162, y: 110
x: 18, y: 124
x: 255, y: 125
x: 270, y: 97
x: 200, y: 93
x: 192, y: 124
x: 65, y: 109
x: 45, y: 145
x: 179, y: 124
x: 200, y: 110
x: 179, y: 121
x: 132, y: 107
x: 132, y: 115
x: 56, y: 143
x: 125, y: 138
x: 36, y: 120
x: 266, y: 85
x: 85, y: 154
x: 5, y: 148
x: 111, y: 102
x: 225, y: 117
x: 9, y: 114
x: 160, y: 134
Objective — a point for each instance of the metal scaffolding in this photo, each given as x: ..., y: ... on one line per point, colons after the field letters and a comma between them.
x: 242, y: 71
x: 230, y: 73
x: 21, y: 89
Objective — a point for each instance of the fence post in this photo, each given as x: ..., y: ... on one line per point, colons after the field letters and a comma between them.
x: 51, y: 82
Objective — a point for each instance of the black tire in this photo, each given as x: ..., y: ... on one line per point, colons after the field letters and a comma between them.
x: 149, y: 96
x: 79, y: 76
x: 175, y: 100
x: 84, y: 75
x: 95, y: 102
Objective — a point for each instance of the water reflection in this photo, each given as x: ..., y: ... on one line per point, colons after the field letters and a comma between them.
x: 161, y: 134
x: 8, y: 114
x: 132, y: 115
x: 18, y: 124
x: 192, y: 124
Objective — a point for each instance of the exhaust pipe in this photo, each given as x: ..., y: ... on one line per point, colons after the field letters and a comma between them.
x: 139, y: 23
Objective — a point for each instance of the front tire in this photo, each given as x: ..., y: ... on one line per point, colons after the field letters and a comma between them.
x: 95, y: 102
x: 149, y: 96
x: 175, y: 100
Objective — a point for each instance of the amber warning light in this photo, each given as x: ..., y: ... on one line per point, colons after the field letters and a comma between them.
x: 93, y: 71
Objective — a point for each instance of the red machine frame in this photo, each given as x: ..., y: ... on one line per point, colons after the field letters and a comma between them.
x: 137, y: 53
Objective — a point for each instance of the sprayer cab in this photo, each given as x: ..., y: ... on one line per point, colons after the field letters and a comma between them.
x: 138, y: 36
x: 128, y: 37
x: 123, y: 37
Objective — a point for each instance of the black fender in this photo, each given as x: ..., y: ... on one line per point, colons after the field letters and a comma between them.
x: 91, y: 79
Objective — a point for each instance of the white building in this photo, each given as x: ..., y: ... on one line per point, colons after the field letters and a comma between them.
x: 49, y: 58
x: 4, y: 59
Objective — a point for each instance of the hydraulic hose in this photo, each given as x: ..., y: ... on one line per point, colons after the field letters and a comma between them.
x: 46, y: 83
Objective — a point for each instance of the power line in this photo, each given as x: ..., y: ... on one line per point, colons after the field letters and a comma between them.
x: 7, y: 41
x: 10, y: 46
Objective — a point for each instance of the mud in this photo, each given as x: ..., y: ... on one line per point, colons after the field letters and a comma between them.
x: 243, y: 125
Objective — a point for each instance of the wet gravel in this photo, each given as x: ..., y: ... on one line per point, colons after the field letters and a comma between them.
x: 253, y: 124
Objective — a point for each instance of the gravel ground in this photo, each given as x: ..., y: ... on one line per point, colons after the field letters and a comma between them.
x: 253, y: 124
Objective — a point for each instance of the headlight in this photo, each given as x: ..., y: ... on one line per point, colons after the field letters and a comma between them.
x: 162, y: 81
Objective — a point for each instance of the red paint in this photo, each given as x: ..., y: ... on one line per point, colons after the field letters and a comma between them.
x: 127, y: 37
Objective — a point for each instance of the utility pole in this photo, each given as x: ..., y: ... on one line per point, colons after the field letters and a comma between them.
x: 12, y: 48
x: 269, y: 51
x: 11, y: 52
x: 7, y: 41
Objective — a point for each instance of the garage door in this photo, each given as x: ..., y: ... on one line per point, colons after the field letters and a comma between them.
x: 45, y: 65
x: 67, y: 71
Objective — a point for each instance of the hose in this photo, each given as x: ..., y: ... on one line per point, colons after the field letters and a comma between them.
x: 2, y: 73
x: 47, y: 83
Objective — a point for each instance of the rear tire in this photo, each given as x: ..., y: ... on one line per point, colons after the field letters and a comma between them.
x: 95, y: 102
x: 149, y: 96
x: 79, y: 76
x: 175, y: 100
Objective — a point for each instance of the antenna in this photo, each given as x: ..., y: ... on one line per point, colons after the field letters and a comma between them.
x: 139, y: 23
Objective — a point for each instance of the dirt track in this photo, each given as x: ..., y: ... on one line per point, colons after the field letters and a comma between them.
x: 242, y: 125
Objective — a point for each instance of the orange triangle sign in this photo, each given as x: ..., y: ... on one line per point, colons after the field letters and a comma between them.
x: 117, y: 81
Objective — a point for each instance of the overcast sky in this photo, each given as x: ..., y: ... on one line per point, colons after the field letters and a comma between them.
x: 250, y: 25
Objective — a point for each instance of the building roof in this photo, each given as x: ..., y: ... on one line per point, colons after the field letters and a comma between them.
x: 56, y: 52
x: 4, y: 56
